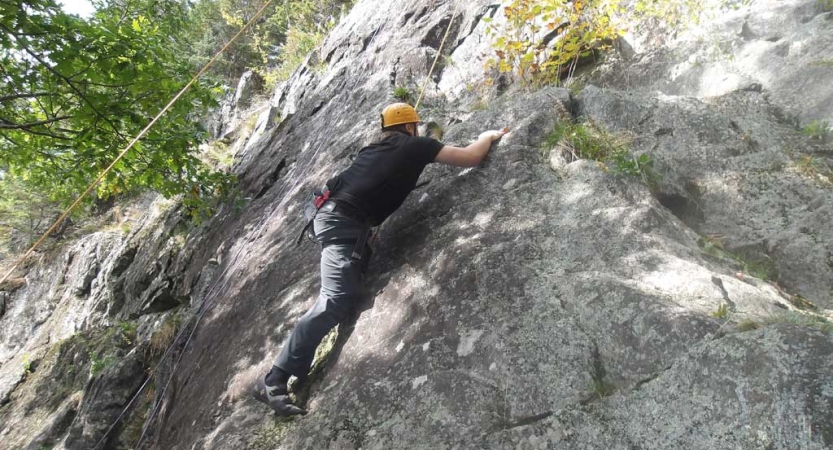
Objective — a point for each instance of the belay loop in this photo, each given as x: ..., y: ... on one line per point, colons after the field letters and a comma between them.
x: 320, y: 199
x: 310, y: 211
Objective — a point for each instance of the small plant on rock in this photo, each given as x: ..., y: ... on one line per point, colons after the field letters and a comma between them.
x: 98, y: 363
x: 713, y: 245
x: 817, y: 130
x: 479, y: 105
x: 748, y: 325
x: 674, y: 14
x: 27, y: 364
x: 641, y: 167
x: 163, y: 337
x: 589, y: 141
x: 128, y: 329
x: 584, y: 141
x: 821, y: 62
x: 804, y: 319
x: 603, y: 388
x: 758, y: 265
x: 807, y: 165
x: 722, y: 312
x: 402, y: 94
x: 802, y: 303
x: 815, y: 169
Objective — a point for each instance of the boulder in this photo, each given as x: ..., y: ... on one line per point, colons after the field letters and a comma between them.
x: 249, y: 85
x: 732, y: 169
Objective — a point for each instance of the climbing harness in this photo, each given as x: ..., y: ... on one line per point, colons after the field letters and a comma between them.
x: 332, y: 200
x: 310, y: 211
x: 212, y: 294
x: 395, y: 114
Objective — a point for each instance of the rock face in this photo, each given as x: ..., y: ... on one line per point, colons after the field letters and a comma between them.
x: 236, y: 108
x: 732, y: 168
x: 516, y: 306
x: 69, y: 357
x: 700, y: 403
x: 783, y: 47
x: 533, y: 302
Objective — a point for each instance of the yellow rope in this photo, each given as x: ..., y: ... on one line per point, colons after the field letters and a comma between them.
x: 436, y: 58
x: 425, y: 84
x: 132, y: 143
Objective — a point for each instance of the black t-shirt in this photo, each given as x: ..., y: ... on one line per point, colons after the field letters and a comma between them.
x: 385, y: 172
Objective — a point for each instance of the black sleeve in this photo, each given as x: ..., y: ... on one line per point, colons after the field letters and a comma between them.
x: 424, y: 149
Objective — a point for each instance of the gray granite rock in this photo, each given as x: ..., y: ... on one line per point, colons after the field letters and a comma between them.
x: 732, y: 168
x: 782, y: 47
x: 535, y: 301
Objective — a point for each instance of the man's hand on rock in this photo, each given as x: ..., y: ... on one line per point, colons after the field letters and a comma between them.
x: 493, y: 135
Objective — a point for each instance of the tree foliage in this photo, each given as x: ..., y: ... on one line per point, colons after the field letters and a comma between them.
x: 542, y: 39
x: 73, y: 92
x: 23, y: 214
x: 283, y: 33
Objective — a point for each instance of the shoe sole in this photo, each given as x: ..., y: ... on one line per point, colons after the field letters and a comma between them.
x: 259, y: 394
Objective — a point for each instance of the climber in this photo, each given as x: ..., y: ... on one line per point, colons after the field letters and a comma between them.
x: 373, y: 187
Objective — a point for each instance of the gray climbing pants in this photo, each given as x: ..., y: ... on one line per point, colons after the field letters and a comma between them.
x: 341, y: 286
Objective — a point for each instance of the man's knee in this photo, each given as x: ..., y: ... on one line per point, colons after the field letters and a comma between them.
x: 325, y: 311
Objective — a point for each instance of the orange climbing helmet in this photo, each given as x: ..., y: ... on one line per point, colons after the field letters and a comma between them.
x: 397, y: 114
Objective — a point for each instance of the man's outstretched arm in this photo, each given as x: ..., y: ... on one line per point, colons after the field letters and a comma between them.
x: 472, y: 154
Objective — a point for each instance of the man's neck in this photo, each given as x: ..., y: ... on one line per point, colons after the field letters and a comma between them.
x: 387, y: 134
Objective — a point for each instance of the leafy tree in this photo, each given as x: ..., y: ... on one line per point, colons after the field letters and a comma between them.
x: 74, y: 91
x: 23, y: 214
x: 285, y: 30
x: 542, y: 39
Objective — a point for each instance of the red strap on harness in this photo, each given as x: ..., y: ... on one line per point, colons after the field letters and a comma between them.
x: 320, y: 199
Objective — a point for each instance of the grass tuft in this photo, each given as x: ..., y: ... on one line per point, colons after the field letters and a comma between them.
x: 803, y: 319
x: 722, y: 312
x: 586, y: 140
x: 802, y: 303
x: 163, y: 337
x: 603, y: 388
x: 818, y: 130
x: 748, y: 325
x: 756, y: 265
x: 402, y: 94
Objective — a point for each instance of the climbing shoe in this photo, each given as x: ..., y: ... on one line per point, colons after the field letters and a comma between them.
x: 277, y: 398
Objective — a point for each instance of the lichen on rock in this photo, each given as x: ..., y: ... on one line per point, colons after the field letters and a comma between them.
x: 541, y: 300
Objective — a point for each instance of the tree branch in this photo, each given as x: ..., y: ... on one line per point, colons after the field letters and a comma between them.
x: 6, y: 125
x: 6, y: 98
x: 48, y: 134
x: 70, y: 84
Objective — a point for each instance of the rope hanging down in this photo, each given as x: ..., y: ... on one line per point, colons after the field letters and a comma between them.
x: 207, y: 304
x: 109, y: 168
x: 131, y: 144
x: 436, y: 58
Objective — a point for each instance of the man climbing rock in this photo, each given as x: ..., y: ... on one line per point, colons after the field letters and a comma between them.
x: 363, y: 196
